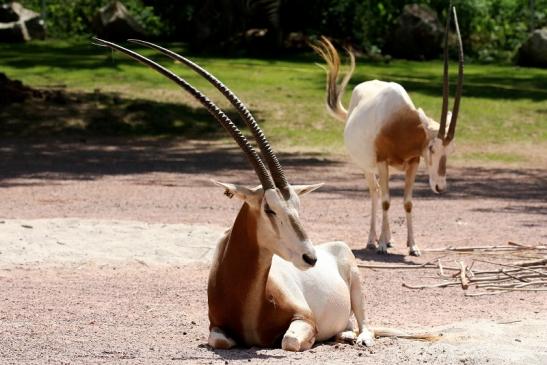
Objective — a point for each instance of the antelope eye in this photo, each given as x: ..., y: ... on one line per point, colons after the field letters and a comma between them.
x: 431, y: 149
x: 268, y: 210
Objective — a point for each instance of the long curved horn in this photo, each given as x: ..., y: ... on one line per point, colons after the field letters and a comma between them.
x: 271, y: 160
x: 459, y: 85
x: 215, y: 111
x: 444, y: 111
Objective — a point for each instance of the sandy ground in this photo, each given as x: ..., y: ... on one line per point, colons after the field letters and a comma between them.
x: 103, y: 251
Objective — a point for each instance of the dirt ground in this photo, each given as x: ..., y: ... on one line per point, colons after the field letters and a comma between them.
x: 153, y: 308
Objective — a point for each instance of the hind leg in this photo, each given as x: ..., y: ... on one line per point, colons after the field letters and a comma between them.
x: 385, y: 236
x: 219, y: 340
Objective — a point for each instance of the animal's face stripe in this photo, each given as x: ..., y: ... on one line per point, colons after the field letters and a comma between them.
x: 442, y: 166
x: 298, y: 229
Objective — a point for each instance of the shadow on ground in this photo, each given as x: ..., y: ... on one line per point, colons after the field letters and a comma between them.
x: 106, y: 114
x: 92, y: 158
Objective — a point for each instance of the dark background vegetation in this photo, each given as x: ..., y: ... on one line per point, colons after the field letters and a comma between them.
x: 492, y: 29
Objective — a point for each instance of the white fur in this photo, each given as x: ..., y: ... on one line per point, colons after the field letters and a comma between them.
x: 372, y: 106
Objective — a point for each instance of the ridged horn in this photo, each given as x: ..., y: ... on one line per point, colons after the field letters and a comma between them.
x: 271, y: 160
x: 444, y: 111
x: 459, y: 84
x: 215, y: 111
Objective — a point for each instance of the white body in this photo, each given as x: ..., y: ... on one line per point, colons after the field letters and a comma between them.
x: 320, y: 288
x: 384, y: 129
x: 370, y: 105
x: 261, y: 292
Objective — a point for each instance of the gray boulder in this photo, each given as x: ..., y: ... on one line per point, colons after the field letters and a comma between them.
x: 114, y: 22
x: 533, y: 52
x: 18, y: 24
x: 417, y: 34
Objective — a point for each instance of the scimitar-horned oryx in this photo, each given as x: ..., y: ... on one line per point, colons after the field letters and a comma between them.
x: 268, y: 283
x: 384, y: 129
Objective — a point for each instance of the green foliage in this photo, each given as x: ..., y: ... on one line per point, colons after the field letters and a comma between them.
x: 492, y: 30
x: 72, y: 18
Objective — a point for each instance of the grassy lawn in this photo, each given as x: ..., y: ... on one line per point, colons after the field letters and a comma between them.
x: 503, y: 114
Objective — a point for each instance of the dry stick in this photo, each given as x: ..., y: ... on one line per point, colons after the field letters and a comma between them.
x: 541, y: 247
x: 426, y: 286
x: 512, y: 285
x: 499, y: 271
x: 531, y: 262
x: 463, y: 276
x: 514, y: 277
x: 484, y: 293
x: 428, y: 264
x: 508, y: 265
x: 476, y: 248
x: 499, y: 279
x: 505, y: 290
x: 441, y: 270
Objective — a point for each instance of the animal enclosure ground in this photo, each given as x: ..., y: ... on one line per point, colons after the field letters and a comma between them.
x: 155, y: 312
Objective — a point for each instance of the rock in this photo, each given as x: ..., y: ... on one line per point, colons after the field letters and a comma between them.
x: 18, y: 24
x: 114, y: 22
x: 8, y: 14
x: 13, y: 91
x: 418, y: 34
x: 533, y: 52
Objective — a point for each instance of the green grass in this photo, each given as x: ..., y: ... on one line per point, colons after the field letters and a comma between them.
x: 502, y: 105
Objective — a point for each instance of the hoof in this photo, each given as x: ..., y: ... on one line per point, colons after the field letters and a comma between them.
x: 382, y: 248
x: 371, y: 246
x: 389, y: 244
x: 365, y: 338
x: 414, y: 251
x: 290, y: 343
x: 347, y: 337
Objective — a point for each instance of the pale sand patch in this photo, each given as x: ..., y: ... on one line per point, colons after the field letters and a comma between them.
x: 521, y: 342
x: 56, y: 242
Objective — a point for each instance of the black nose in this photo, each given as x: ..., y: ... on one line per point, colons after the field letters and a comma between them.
x: 439, y: 190
x: 309, y: 260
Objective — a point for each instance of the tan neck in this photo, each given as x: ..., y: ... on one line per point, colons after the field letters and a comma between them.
x: 239, y: 276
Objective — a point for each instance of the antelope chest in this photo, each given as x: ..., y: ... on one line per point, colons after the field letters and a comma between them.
x: 321, y: 291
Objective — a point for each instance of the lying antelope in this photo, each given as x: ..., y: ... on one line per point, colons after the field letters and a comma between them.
x: 268, y: 283
x: 384, y: 129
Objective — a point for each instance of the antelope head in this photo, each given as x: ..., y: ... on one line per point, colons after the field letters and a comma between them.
x: 277, y: 220
x: 275, y: 203
x: 441, y: 146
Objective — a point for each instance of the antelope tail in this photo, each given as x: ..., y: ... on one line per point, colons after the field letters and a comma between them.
x: 334, y: 90
x: 391, y: 332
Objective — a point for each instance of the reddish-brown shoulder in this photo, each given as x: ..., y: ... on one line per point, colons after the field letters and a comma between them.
x: 402, y: 138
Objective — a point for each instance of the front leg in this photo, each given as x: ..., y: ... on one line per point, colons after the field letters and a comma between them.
x: 410, y: 177
x: 385, y: 236
x: 219, y: 340
x: 299, y: 337
x: 365, y: 336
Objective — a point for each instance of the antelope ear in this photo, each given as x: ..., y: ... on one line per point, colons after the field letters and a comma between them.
x: 304, y: 189
x: 231, y: 190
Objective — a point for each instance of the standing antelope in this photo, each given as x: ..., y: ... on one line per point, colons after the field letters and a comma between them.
x: 256, y: 297
x: 384, y: 128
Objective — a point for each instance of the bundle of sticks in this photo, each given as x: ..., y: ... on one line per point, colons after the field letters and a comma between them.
x: 496, y: 276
